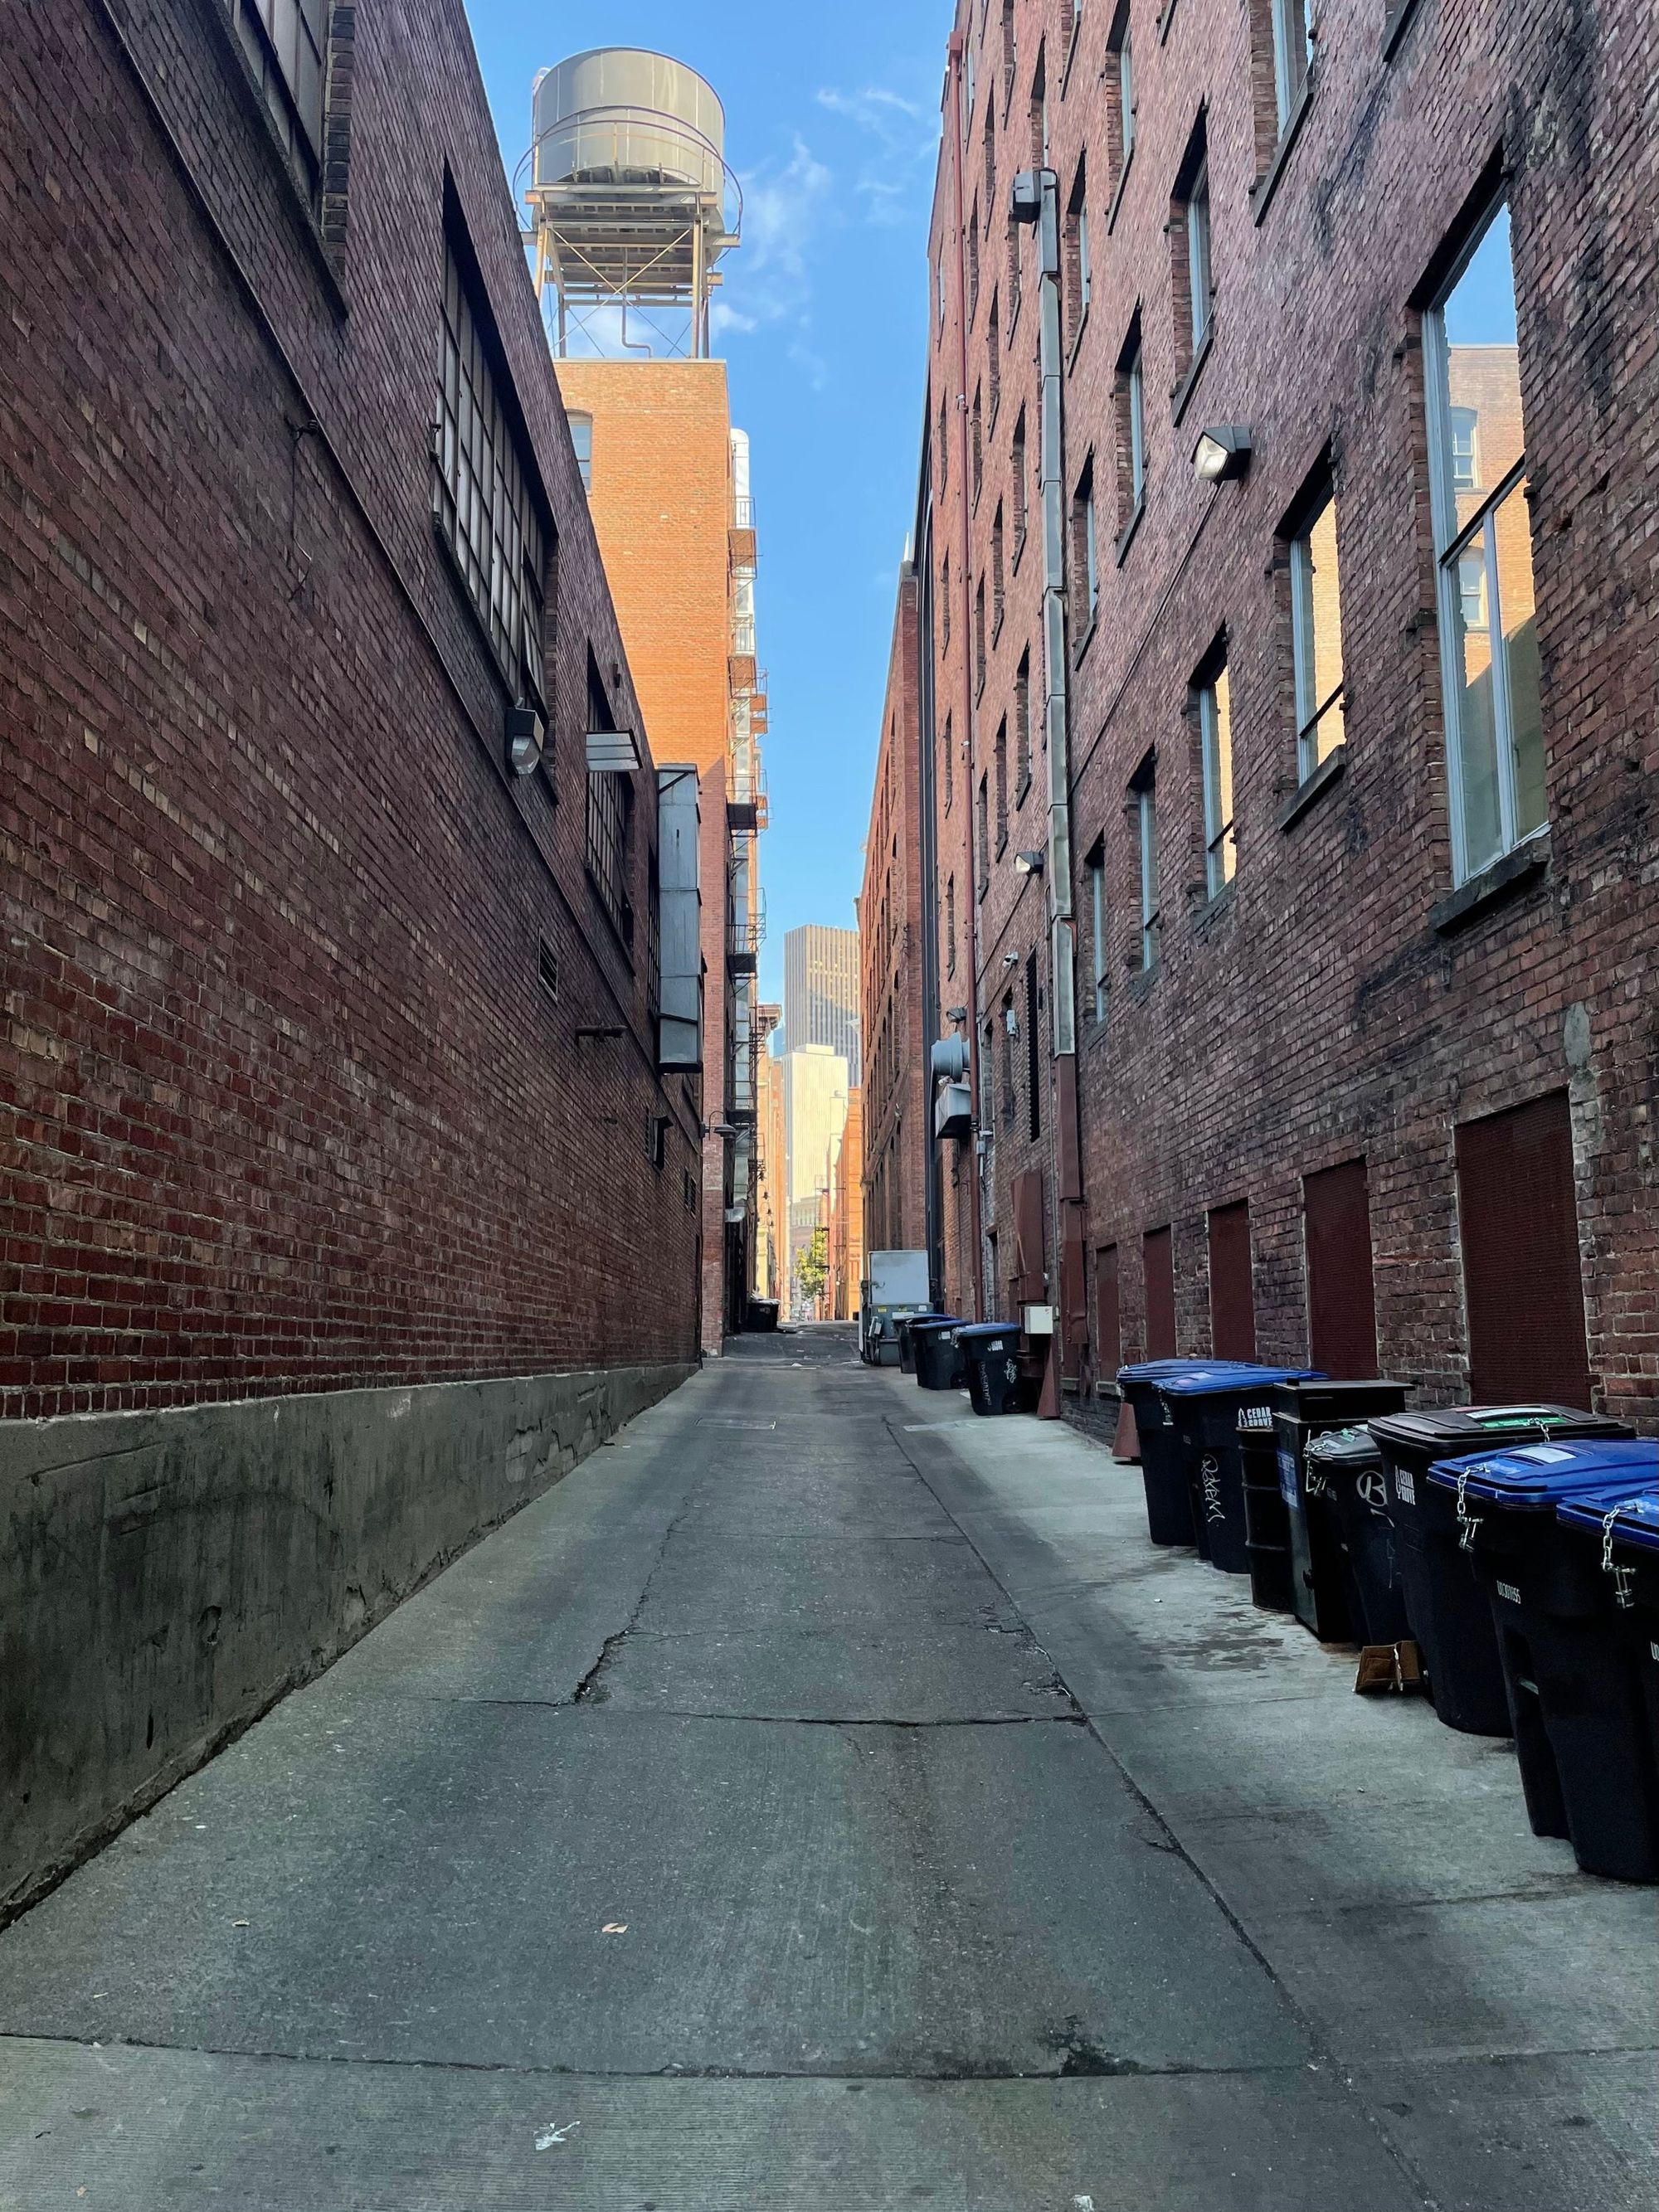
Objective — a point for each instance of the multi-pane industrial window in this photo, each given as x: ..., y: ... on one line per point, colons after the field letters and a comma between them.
x: 1483, y: 539
x: 1316, y: 637
x: 481, y: 492
x: 1095, y: 866
x: 1292, y: 44
x: 1215, y: 721
x: 1143, y: 793
x: 610, y: 808
x: 582, y: 440
x: 285, y: 41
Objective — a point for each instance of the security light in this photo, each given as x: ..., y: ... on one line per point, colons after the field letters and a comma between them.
x: 956, y: 1013
x: 526, y: 735
x: 1029, y: 864
x: 1011, y: 959
x: 1223, y: 452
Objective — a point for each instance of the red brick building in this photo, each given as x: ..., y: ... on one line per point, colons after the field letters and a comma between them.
x: 1358, y: 907
x: 892, y: 947
x: 345, y: 1187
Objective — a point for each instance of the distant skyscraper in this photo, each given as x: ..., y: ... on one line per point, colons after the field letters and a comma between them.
x: 821, y: 992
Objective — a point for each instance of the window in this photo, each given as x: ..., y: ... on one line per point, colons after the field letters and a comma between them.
x: 1033, y: 1050
x: 1085, y: 558
x: 998, y: 574
x: 482, y: 497
x: 944, y: 449
x: 582, y: 440
x: 979, y: 655
x: 1120, y: 76
x: 1023, y: 727
x: 1522, y: 1275
x: 1215, y: 721
x: 945, y: 599
x: 950, y: 763
x: 1001, y: 759
x: 1189, y: 241
x: 1010, y: 1026
x: 1077, y: 274
x: 992, y: 360
x: 950, y: 926
x: 1157, y: 1267
x: 973, y: 263
x: 1131, y: 402
x: 1039, y: 113
x: 1010, y: 51
x: 1489, y: 659
x: 1070, y: 22
x: 1014, y: 229
x: 938, y: 281
x: 285, y: 42
x: 1018, y: 488
x: 609, y: 812
x: 1232, y: 1292
x: 977, y: 444
x: 1293, y: 46
x: 1098, y: 948
x: 990, y: 161
x: 1342, y: 1298
x: 967, y: 86
x: 982, y: 840
x: 1143, y: 794
x: 1316, y: 637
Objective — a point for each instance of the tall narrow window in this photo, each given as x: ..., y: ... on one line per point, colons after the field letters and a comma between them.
x: 1010, y: 1027
x: 1014, y: 230
x: 1120, y: 75
x: 943, y: 449
x: 977, y: 442
x: 1085, y: 553
x: 1078, y: 277
x: 1215, y: 721
x: 610, y: 816
x: 1131, y: 404
x: 1095, y: 866
x: 285, y: 41
x: 1017, y: 484
x: 1001, y: 762
x: 950, y: 750
x: 1293, y: 46
x: 998, y: 571
x: 979, y: 655
x: 992, y: 360
x: 990, y: 158
x: 1478, y: 485
x: 939, y: 285
x: 481, y: 495
x: 1189, y: 241
x: 1316, y: 637
x: 581, y: 441
x: 944, y: 599
x: 973, y: 263
x: 1040, y: 113
x: 1033, y: 1049
x: 982, y: 840
x: 1010, y: 51
x: 1143, y: 793
x: 1023, y: 727
x: 950, y: 926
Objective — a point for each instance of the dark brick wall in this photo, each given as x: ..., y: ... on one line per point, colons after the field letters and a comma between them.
x: 285, y: 1105
x: 1315, y: 1014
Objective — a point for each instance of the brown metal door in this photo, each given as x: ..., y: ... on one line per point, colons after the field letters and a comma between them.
x: 1108, y: 1316
x: 1522, y: 1272
x: 1232, y: 1294
x: 1157, y: 1256
x: 1342, y: 1298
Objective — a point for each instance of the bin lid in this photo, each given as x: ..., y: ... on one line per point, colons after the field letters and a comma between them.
x: 927, y: 1324
x: 1445, y: 1432
x: 1637, y: 1510
x: 1352, y: 1450
x: 1339, y: 1399
x: 976, y: 1329
x: 1231, y: 1378
x: 1531, y: 1478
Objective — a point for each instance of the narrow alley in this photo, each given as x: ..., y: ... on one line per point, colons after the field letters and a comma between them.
x: 822, y: 1797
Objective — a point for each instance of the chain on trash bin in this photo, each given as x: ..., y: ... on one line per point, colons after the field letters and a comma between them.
x: 1621, y: 1575
x: 1468, y: 1525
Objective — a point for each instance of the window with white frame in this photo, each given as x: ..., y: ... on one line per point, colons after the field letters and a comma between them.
x: 1316, y: 637
x: 1292, y: 39
x: 481, y: 492
x: 1197, y: 213
x: 1483, y: 539
x: 1143, y: 793
x: 286, y: 44
x: 1096, y: 865
x: 1215, y: 724
x: 1131, y: 405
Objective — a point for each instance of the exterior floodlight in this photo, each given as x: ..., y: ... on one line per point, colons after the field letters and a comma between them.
x: 1011, y: 959
x: 526, y: 733
x: 722, y: 1129
x: 1222, y: 453
x: 1029, y: 864
x: 956, y: 1013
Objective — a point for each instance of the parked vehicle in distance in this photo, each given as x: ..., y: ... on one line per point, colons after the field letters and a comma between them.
x: 895, y: 1286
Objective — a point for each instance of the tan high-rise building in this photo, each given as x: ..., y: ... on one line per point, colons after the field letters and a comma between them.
x: 630, y: 213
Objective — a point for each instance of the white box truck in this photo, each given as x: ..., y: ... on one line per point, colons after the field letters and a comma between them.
x: 895, y: 1286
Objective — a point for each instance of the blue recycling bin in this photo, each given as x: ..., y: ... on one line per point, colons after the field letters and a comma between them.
x: 1445, y: 1600
x: 1204, y: 1405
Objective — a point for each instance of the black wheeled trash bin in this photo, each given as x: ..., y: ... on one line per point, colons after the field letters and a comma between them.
x: 991, y: 1353
x: 903, y: 1326
x: 1346, y: 1465
x: 1445, y: 1602
x: 1205, y: 1405
x: 937, y: 1353
x: 1574, y: 1700
x: 1162, y: 1457
x: 1266, y: 1516
x: 1319, y: 1570
x: 1623, y: 1535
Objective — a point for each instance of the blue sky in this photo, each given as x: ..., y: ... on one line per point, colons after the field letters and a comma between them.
x: 832, y: 123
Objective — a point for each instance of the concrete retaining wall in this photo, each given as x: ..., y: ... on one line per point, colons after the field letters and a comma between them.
x: 166, y: 1576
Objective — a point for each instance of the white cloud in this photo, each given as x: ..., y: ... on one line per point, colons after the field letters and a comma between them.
x: 903, y: 139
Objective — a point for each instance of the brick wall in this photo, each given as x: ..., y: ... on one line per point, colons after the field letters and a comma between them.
x: 1327, y: 1005
x: 286, y: 1104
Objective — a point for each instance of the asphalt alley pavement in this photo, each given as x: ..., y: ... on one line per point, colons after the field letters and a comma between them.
x: 824, y: 1798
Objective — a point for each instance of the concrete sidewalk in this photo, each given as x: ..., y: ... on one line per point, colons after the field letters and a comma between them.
x: 1495, y: 2010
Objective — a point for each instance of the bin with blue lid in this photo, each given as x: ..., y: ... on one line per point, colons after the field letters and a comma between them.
x: 1445, y: 1600
x: 997, y: 1381
x: 1322, y: 1587
x: 903, y: 1326
x: 1204, y: 1404
x: 1624, y: 1535
x: 935, y: 1351
x: 1345, y: 1479
x: 1162, y: 1456
x: 1575, y: 1709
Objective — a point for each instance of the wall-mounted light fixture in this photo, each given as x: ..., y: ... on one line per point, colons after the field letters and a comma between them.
x: 526, y: 734
x: 1030, y: 863
x: 1223, y: 452
x: 1011, y: 959
x: 956, y: 1013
